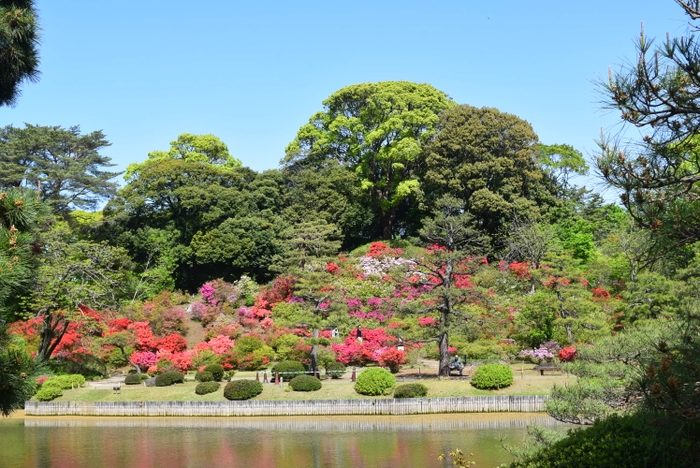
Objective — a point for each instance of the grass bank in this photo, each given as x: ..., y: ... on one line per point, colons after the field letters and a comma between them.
x: 526, y: 382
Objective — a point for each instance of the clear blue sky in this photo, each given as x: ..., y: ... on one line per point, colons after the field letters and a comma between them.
x: 252, y: 73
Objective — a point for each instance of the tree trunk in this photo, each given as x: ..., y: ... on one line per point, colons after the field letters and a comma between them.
x: 444, y: 370
x: 52, y: 332
x: 314, y: 353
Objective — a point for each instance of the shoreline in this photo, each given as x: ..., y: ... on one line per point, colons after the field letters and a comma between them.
x: 280, y: 408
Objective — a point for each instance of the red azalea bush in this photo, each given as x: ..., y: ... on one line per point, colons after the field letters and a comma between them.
x: 567, y: 354
x: 173, y: 343
x: 392, y: 358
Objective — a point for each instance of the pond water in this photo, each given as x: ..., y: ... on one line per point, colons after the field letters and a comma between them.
x: 310, y: 442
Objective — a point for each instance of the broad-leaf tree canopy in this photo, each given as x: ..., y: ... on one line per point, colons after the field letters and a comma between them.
x: 376, y: 130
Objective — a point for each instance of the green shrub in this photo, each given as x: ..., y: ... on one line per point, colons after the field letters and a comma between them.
x: 135, y: 379
x: 242, y: 389
x: 492, y: 376
x: 48, y: 392
x: 204, y: 376
x: 411, y: 390
x: 305, y: 383
x: 375, y: 381
x: 288, y: 369
x: 206, y: 387
x: 216, y: 371
x: 630, y: 441
x: 335, y: 369
x: 68, y: 381
x: 168, y: 378
x: 228, y: 375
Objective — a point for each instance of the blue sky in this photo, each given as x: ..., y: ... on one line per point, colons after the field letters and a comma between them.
x: 252, y: 73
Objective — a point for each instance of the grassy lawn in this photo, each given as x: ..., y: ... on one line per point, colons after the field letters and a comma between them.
x: 526, y: 382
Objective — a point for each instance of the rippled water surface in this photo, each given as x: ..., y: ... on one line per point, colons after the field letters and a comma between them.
x: 329, y: 441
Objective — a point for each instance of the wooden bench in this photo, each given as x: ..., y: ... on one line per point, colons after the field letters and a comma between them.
x: 547, y: 368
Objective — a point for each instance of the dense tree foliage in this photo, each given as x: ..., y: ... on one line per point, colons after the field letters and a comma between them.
x: 64, y: 166
x: 19, y: 40
x: 489, y: 159
x: 376, y: 130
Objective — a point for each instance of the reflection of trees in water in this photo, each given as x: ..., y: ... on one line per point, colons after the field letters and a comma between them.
x: 317, y: 423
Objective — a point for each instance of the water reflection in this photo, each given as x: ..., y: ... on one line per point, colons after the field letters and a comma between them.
x: 333, y: 442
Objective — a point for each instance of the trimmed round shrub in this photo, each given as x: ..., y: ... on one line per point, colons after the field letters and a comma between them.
x: 216, y: 370
x: 288, y: 369
x: 48, y: 392
x: 492, y: 376
x: 168, y: 378
x: 204, y: 376
x: 206, y: 387
x: 411, y: 390
x: 335, y: 369
x: 305, y: 383
x: 135, y: 379
x: 375, y: 381
x: 242, y: 389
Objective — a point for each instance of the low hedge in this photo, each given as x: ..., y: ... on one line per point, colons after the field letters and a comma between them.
x: 67, y: 381
x: 168, y: 378
x: 411, y: 390
x: 305, y: 383
x: 48, y: 392
x: 242, y: 389
x: 288, y: 369
x: 204, y: 376
x: 335, y: 369
x: 375, y: 381
x: 206, y: 387
x: 135, y: 379
x: 492, y: 376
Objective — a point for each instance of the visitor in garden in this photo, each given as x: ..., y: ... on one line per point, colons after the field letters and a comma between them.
x: 456, y: 364
x: 359, y: 333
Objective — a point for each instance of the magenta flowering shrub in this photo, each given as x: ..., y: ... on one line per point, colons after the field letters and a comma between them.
x: 144, y: 358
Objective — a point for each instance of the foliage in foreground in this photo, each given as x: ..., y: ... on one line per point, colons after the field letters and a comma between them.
x: 631, y: 441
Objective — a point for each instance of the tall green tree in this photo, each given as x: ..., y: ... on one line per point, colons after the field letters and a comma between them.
x: 191, y: 148
x: 19, y: 40
x: 332, y: 193
x: 64, y: 166
x: 376, y: 130
x: 199, y: 220
x: 489, y: 159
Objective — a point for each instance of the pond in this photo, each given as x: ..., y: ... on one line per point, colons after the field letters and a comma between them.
x: 313, y: 442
